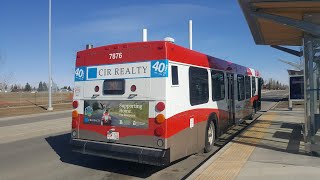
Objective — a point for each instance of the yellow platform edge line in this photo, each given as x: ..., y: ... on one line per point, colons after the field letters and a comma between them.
x: 229, y: 163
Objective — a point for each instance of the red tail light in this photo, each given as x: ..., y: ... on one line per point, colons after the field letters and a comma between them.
x: 96, y: 89
x: 160, y: 106
x: 133, y: 88
x: 75, y: 104
x: 158, y: 131
x: 74, y: 123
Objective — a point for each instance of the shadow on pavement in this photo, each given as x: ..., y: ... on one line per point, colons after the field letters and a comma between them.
x: 281, y: 136
x: 270, y: 99
x: 44, y: 108
x: 60, y: 144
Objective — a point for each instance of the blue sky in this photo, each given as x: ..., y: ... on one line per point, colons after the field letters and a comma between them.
x: 219, y: 29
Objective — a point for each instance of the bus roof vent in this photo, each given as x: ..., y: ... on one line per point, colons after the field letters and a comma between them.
x: 89, y: 46
x: 169, y: 39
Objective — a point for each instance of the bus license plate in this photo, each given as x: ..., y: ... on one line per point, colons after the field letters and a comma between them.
x: 113, y: 136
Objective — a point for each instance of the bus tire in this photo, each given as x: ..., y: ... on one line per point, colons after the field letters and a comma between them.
x: 210, y: 136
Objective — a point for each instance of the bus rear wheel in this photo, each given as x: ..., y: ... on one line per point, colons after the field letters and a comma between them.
x: 210, y: 136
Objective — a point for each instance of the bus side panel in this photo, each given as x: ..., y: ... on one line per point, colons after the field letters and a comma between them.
x: 186, y: 124
x: 182, y: 135
x: 184, y: 140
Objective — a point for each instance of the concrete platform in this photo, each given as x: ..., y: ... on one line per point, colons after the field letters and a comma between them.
x: 271, y: 148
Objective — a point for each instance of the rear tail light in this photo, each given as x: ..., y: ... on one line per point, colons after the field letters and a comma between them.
x: 96, y: 89
x: 74, y: 123
x: 75, y: 104
x: 158, y: 131
x: 160, y: 118
x: 133, y: 88
x: 160, y: 106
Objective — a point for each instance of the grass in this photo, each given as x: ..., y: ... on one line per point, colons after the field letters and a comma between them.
x: 15, y: 99
x: 18, y: 111
x: 24, y: 103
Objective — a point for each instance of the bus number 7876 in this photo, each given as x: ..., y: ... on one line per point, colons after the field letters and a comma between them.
x: 115, y: 55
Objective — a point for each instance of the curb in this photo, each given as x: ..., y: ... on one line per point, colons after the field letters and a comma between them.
x: 204, y: 166
x: 211, y: 159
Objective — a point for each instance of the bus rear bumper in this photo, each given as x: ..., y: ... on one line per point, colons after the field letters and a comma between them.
x: 144, y: 155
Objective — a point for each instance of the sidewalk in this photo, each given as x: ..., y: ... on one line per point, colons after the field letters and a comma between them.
x: 271, y: 148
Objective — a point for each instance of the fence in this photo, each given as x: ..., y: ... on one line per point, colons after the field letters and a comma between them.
x: 13, y: 99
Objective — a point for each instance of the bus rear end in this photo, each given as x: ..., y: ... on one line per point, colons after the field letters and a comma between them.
x: 119, y: 103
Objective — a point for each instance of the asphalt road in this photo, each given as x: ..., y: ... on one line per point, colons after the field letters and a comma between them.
x: 47, y: 155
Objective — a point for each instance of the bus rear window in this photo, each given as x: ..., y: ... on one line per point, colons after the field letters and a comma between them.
x: 114, y: 86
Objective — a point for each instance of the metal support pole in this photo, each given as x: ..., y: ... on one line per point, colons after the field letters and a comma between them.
x: 311, y: 94
x: 306, y: 98
x: 290, y: 104
x: 190, y: 34
x: 50, y: 108
x: 287, y: 50
x: 318, y: 86
x: 289, y: 99
x: 144, y: 35
x: 311, y: 89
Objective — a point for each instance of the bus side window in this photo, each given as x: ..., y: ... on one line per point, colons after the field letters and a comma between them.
x: 253, y: 85
x: 174, y: 75
x: 218, y: 87
x: 240, y: 80
x: 198, y: 85
x: 247, y: 87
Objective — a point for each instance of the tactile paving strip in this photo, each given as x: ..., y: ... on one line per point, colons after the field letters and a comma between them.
x: 230, y: 162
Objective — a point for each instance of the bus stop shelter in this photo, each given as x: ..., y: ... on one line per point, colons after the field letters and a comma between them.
x: 293, y: 23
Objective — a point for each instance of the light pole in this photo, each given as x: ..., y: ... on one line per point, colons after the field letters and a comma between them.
x: 50, y: 108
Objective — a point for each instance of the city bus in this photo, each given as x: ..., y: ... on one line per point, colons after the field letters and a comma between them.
x: 156, y: 102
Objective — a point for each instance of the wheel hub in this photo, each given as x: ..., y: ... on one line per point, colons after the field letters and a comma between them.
x: 210, y: 135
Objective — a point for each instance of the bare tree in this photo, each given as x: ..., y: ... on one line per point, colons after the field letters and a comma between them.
x: 5, y: 77
x: 5, y: 80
